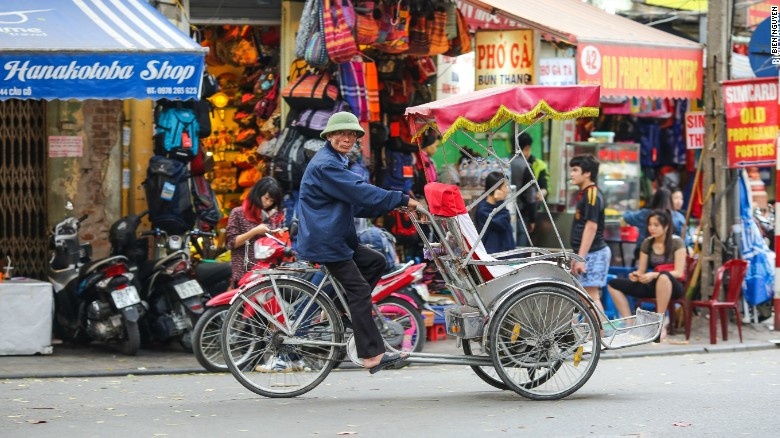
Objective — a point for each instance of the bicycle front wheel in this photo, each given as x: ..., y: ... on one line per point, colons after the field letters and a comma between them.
x: 297, y: 331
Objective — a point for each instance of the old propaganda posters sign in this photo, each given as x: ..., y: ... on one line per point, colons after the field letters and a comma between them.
x: 751, y: 121
x: 504, y: 57
x: 641, y: 71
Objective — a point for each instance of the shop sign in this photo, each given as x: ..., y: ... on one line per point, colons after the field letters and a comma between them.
x: 694, y: 129
x: 641, y: 71
x: 751, y: 121
x: 455, y: 75
x: 557, y: 71
x: 504, y: 57
x: 66, y: 146
x: 477, y: 18
x: 758, y: 12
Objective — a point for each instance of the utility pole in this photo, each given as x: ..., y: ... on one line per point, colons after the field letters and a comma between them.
x: 714, y: 172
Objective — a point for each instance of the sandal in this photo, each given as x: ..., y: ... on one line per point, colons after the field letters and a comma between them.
x: 387, y: 360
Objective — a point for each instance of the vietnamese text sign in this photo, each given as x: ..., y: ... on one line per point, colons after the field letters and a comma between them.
x: 455, y: 75
x: 641, y: 71
x: 557, y: 71
x: 66, y: 146
x: 751, y: 121
x: 504, y: 58
x: 694, y: 129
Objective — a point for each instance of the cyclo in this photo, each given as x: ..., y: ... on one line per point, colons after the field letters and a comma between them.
x: 523, y: 321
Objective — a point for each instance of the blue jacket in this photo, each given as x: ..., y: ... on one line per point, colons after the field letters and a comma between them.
x: 331, y: 197
x: 499, y: 236
x: 639, y: 219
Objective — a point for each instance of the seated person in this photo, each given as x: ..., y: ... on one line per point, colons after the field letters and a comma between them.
x: 499, y: 236
x: 660, y: 248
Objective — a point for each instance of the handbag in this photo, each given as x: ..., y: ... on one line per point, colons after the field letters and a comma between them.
x: 366, y: 27
x: 315, y: 53
x: 462, y: 43
x: 311, y: 122
x: 339, y: 42
x: 311, y: 90
x: 352, y: 83
x: 436, y: 28
x: 394, y: 29
x: 306, y: 27
x: 249, y: 177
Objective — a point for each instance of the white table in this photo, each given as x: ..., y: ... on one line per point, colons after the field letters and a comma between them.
x: 26, y: 311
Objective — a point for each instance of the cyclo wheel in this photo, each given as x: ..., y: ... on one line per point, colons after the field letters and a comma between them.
x: 300, y: 366
x: 487, y: 374
x: 539, y: 340
x: 403, y: 316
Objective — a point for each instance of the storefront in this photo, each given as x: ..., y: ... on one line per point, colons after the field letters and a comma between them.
x: 68, y: 67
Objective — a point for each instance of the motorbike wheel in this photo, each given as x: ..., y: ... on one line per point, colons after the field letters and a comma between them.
x: 404, y: 313
x: 132, y: 342
x: 206, y: 343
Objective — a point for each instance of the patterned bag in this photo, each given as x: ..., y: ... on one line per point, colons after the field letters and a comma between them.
x: 462, y: 43
x: 394, y: 29
x: 316, y: 54
x: 311, y: 90
x: 307, y: 26
x: 372, y: 91
x: 338, y: 33
x: 352, y: 84
x: 437, y: 34
x: 311, y: 122
x: 419, y: 41
x: 366, y: 27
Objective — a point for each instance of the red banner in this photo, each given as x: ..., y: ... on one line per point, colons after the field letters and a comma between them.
x: 751, y: 121
x: 641, y: 71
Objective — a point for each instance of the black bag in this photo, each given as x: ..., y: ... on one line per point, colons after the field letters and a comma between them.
x: 168, y: 195
x: 206, y: 204
x: 290, y: 160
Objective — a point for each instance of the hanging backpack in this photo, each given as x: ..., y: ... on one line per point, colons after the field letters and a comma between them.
x: 380, y: 240
x: 290, y: 160
x: 177, y: 132
x: 398, y: 171
x: 168, y: 195
x: 206, y: 205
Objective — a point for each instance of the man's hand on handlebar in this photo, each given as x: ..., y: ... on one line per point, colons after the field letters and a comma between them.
x: 413, y: 204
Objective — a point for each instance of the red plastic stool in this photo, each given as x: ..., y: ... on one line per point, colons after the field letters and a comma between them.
x: 437, y: 332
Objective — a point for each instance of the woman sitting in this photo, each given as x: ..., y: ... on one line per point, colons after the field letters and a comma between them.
x: 661, y: 247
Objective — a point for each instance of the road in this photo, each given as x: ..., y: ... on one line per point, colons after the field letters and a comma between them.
x: 725, y: 394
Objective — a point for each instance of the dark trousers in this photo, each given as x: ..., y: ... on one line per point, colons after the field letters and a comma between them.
x: 359, y: 276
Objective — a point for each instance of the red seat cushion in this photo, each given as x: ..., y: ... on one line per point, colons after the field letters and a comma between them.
x: 444, y: 199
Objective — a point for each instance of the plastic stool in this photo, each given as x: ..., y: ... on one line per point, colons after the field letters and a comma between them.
x: 436, y: 333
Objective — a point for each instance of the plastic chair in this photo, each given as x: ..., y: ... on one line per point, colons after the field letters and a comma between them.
x: 690, y: 264
x: 737, y: 270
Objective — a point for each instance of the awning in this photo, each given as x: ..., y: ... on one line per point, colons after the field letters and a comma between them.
x: 95, y: 49
x: 625, y: 57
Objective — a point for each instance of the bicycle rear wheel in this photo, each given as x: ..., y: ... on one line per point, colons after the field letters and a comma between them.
x: 298, y: 333
x: 542, y: 343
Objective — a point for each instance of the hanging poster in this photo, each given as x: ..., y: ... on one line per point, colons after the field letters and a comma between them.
x: 557, y: 71
x: 751, y: 121
x: 455, y: 75
x: 504, y: 57
x: 694, y: 129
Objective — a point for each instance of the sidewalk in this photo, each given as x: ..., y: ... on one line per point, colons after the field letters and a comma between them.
x: 92, y: 361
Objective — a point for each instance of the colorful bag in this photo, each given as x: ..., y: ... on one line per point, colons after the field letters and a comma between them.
x: 462, y: 43
x: 352, y: 84
x: 437, y: 34
x: 372, y: 91
x: 366, y: 27
x: 311, y: 122
x: 312, y: 90
x: 419, y: 41
x: 338, y: 33
x: 394, y: 29
x: 307, y: 26
x: 316, y: 54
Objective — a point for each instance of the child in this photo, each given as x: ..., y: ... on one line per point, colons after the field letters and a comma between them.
x: 499, y: 236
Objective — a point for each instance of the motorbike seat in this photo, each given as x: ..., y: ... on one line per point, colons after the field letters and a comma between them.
x: 212, y: 273
x: 97, y: 264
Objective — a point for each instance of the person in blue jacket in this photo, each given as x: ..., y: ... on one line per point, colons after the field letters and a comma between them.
x: 331, y: 197
x: 499, y: 235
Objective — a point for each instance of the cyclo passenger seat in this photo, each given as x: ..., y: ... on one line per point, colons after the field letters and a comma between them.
x: 446, y: 205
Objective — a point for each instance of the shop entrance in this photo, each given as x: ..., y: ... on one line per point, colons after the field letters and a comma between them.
x: 23, y: 222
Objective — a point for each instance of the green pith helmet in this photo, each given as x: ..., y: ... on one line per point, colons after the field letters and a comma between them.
x: 343, y: 121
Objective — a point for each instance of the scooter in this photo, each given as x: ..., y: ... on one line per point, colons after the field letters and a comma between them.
x: 173, y: 291
x: 396, y: 311
x: 94, y: 300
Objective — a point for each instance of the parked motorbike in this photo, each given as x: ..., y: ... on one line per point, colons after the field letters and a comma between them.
x: 94, y: 300
x: 395, y: 307
x: 173, y: 290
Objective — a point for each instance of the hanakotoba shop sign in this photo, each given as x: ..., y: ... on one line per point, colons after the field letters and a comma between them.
x: 69, y: 76
x: 751, y: 121
x: 504, y: 58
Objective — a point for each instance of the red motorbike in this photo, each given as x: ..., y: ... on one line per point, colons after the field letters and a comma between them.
x: 396, y: 301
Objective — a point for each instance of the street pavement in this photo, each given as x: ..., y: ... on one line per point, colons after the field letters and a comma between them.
x: 94, y: 360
